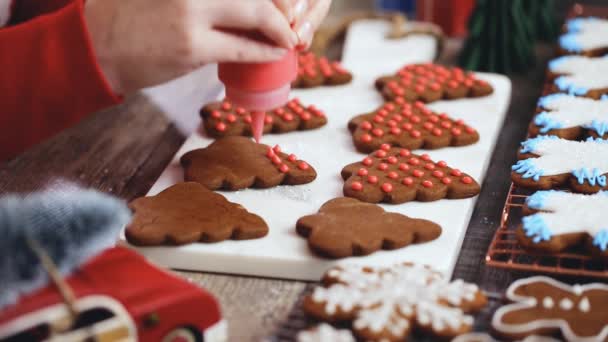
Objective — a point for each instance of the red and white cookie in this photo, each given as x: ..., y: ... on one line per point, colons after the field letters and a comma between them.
x: 314, y: 71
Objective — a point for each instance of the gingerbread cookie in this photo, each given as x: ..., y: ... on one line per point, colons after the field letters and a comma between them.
x: 558, y: 220
x: 315, y: 71
x: 431, y: 82
x: 187, y: 213
x: 585, y: 36
x: 396, y: 175
x: 571, y: 117
x: 325, y: 333
x: 386, y: 303
x: 225, y: 119
x: 545, y: 306
x: 234, y: 163
x: 347, y: 227
x: 548, y: 162
x: 580, y: 75
x: 483, y: 337
x: 410, y: 126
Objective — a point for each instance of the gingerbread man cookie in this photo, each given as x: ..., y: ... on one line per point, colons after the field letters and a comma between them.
x: 187, y: 213
x: 225, y: 119
x: 347, y: 227
x: 580, y: 75
x: 548, y: 162
x: 571, y: 117
x: 410, y: 126
x: 234, y: 163
x: 431, y: 82
x: 545, y: 306
x: 585, y: 36
x: 386, y: 303
x: 396, y: 175
x: 557, y: 220
x: 315, y: 71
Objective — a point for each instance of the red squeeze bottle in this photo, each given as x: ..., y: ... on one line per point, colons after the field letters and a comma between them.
x: 259, y: 87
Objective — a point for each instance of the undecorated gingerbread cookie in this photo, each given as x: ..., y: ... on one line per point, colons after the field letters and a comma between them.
x: 315, y: 71
x: 544, y: 306
x: 234, y: 163
x: 580, y: 75
x: 346, y: 227
x: 586, y: 36
x: 225, y: 119
x: 187, y: 213
x: 431, y: 82
x: 387, y: 303
x: 410, y: 126
x: 396, y: 175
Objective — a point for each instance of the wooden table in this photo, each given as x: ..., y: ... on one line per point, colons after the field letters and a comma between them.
x: 124, y: 149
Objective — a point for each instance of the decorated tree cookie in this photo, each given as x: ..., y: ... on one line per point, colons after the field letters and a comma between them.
x: 189, y: 212
x: 225, y: 119
x: 548, y: 162
x: 587, y: 36
x: 234, y: 163
x: 570, y: 117
x: 315, y: 71
x: 387, y: 303
x: 396, y: 175
x: 346, y: 227
x: 408, y: 125
x: 325, y: 333
x: 557, y: 220
x: 544, y: 306
x: 580, y: 75
x: 431, y: 82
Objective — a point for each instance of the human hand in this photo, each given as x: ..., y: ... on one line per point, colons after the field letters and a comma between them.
x: 142, y: 43
x: 307, y: 17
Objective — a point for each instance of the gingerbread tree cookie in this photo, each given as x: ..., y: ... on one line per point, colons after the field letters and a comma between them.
x: 386, y: 303
x: 587, y: 36
x: 579, y: 75
x: 234, y: 163
x: 557, y: 220
x: 569, y: 117
x: 396, y: 175
x: 410, y: 126
x: 347, y: 227
x: 547, y: 162
x: 315, y: 71
x: 545, y: 306
x: 187, y: 213
x: 225, y: 119
x: 431, y: 82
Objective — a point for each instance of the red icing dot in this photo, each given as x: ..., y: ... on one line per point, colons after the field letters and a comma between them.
x: 366, y: 138
x: 395, y: 131
x: 276, y: 148
x: 385, y: 147
x: 357, y: 186
x: 391, y: 123
x: 427, y: 184
x: 425, y: 157
x: 466, y: 180
x: 437, y: 174
x: 288, y: 117
x: 220, y: 126
x: 382, y: 112
x: 417, y: 173
x: 292, y: 158
x: 392, y: 160
x: 399, y: 100
x: 367, y: 161
x: 383, y: 166
x: 387, y: 187
x: 399, y: 91
x: 366, y: 125
x: 381, y: 153
x: 226, y: 106
x: 362, y: 172
x: 419, y: 104
x: 468, y: 83
x: 397, y: 117
x: 437, y: 132
x: 393, y: 175
x: 408, y: 181
x: 435, y: 86
x: 284, y: 168
x: 469, y: 130
x: 459, y: 122
x: 276, y: 160
x: 231, y: 118
x: 268, y: 119
x: 389, y: 106
x: 415, y: 119
x: 414, y: 161
x: 446, y: 124
x: 428, y: 125
x: 281, y: 111
x: 303, y: 166
x: 404, y: 152
x: 441, y: 163
x: 372, y: 179
x: 456, y: 131
x: 446, y: 180
x: 378, y: 119
x: 305, y: 116
x: 247, y: 119
x: 270, y: 153
x: 406, y: 111
x: 404, y: 167
x: 415, y: 134
x: 419, y: 89
x: 429, y: 166
x: 216, y: 114
x: 378, y: 132
x: 456, y: 173
x: 453, y: 84
x: 407, y: 126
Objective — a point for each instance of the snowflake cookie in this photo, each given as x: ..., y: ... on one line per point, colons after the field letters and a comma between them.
x: 325, y: 333
x: 545, y: 306
x: 571, y: 117
x: 557, y: 220
x: 315, y: 71
x: 580, y: 75
x: 409, y: 125
x: 586, y: 36
x: 386, y: 303
x: 431, y: 82
x: 548, y: 162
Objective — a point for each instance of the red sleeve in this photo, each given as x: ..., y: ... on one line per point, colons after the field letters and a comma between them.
x: 49, y: 77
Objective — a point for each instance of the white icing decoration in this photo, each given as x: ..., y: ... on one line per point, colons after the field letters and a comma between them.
x: 388, y: 298
x: 566, y: 304
x: 584, y: 305
x: 548, y: 303
x: 582, y: 72
x: 586, y: 34
x: 566, y: 111
x: 325, y: 333
x: 543, y: 323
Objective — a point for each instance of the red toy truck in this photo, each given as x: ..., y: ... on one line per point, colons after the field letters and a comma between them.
x: 120, y: 297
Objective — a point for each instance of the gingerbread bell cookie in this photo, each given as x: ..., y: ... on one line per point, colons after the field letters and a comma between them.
x: 586, y: 36
x: 549, y: 162
x: 315, y: 71
x: 346, y: 227
x: 409, y: 125
x: 558, y: 220
x: 225, y: 119
x: 544, y: 306
x: 234, y: 163
x: 580, y: 75
x: 187, y: 213
x: 396, y: 175
x: 431, y: 82
x: 387, y: 303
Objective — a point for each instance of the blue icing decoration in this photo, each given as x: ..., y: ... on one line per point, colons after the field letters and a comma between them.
x: 570, y: 42
x: 600, y: 240
x: 593, y: 176
x: 546, y: 122
x: 546, y: 101
x: 528, y: 169
x: 604, y: 97
x: 564, y: 85
x: 597, y: 140
x: 600, y: 127
x: 537, y: 199
x: 535, y: 227
x: 530, y: 144
x: 555, y: 63
x: 575, y: 25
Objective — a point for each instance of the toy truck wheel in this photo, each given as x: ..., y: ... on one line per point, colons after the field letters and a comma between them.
x: 182, y: 335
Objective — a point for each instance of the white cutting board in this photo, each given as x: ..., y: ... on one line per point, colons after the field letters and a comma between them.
x: 282, y: 253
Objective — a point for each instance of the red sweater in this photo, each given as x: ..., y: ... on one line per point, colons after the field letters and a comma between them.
x: 49, y: 76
